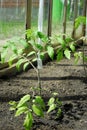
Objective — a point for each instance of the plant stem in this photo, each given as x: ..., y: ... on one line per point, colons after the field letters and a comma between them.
x: 31, y: 64
x: 39, y: 81
x: 84, y: 61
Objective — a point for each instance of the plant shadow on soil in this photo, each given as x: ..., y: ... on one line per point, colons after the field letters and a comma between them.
x: 65, y: 78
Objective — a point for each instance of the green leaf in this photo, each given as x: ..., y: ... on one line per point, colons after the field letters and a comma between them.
x: 76, y: 58
x: 31, y: 34
x: 80, y: 20
x: 55, y: 94
x: 43, y: 37
x: 78, y: 55
x: 59, y: 113
x: 39, y: 47
x: 68, y: 39
x: 72, y: 47
x: 51, y: 108
x: 3, y: 55
x: 85, y: 58
x: 59, y: 55
x: 28, y: 121
x: 58, y: 102
x: 20, y: 51
x: 67, y: 54
x: 35, y: 59
x: 31, y: 53
x: 51, y: 101
x: 37, y: 110
x: 42, y: 55
x: 11, y: 59
x: 23, y: 100
x: 18, y: 64
x: 12, y: 108
x: 14, y: 49
x: 39, y: 101
x: 6, y: 46
x: 61, y: 41
x: 21, y: 110
x: 45, y: 40
x: 13, y: 105
x: 50, y: 51
x: 24, y: 43
x: 25, y: 66
x: 40, y: 35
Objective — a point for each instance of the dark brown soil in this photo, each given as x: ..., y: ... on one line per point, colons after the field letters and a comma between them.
x: 66, y: 79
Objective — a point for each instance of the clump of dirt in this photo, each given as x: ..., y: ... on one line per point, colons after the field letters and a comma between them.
x: 65, y: 78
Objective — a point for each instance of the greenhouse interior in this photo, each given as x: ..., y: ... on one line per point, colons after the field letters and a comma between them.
x: 43, y: 64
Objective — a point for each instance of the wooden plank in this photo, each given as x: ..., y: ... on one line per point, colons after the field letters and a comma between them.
x: 28, y: 14
x: 50, y: 18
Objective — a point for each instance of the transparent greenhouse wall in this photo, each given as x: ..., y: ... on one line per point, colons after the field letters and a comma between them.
x: 70, y: 14
x: 35, y: 9
x: 58, y: 7
x: 57, y: 19
x: 12, y: 18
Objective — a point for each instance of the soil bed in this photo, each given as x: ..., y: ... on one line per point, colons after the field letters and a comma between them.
x: 66, y: 79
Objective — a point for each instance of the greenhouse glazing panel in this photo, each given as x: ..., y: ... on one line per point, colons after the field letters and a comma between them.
x: 12, y: 18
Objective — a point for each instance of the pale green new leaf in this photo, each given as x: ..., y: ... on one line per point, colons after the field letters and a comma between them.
x: 78, y: 55
x: 13, y: 105
x: 20, y: 51
x: 50, y: 51
x: 51, y: 108
x: 35, y: 59
x: 28, y: 121
x: 72, y: 47
x: 37, y: 110
x: 18, y: 64
x: 25, y: 66
x: 31, y: 53
x: 61, y: 41
x: 55, y: 94
x: 11, y: 59
x: 12, y: 108
x: 76, y: 58
x: 80, y: 20
x: 3, y: 55
x: 21, y: 110
x: 51, y: 101
x: 14, y: 49
x: 67, y: 54
x: 24, y: 43
x: 23, y: 100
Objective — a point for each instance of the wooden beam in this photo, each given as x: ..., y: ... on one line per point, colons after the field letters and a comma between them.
x: 28, y: 14
x: 84, y: 14
x: 65, y: 18
x: 75, y: 16
x: 50, y: 4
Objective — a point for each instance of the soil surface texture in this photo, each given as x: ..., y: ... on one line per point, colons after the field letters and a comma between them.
x: 65, y: 78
